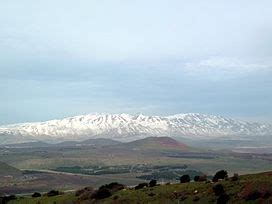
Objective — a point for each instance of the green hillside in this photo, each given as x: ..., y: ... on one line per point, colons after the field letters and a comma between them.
x: 254, y: 188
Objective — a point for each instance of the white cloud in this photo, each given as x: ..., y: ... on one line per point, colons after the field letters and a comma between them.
x: 224, y: 67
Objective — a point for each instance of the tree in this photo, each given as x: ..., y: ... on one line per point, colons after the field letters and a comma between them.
x: 185, y: 178
x: 196, y: 178
x: 141, y: 185
x: 53, y: 193
x: 152, y: 183
x: 113, y: 187
x: 223, y: 174
x: 36, y: 194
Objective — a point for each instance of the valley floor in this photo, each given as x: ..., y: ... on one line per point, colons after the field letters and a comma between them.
x: 69, y: 166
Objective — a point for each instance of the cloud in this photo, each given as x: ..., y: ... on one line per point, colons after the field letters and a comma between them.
x: 225, y: 67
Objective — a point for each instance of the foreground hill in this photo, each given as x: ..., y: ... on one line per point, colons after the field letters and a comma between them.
x: 131, y: 127
x: 254, y: 188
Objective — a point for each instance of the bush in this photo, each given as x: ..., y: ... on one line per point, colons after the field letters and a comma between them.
x: 115, y: 197
x: 203, y: 178
x: 218, y: 189
x: 36, y: 194
x: 185, y: 178
x: 196, y: 198
x: 223, y: 199
x: 196, y: 178
x: 85, y: 193
x: 6, y: 199
x: 235, y: 177
x: 267, y: 194
x: 101, y: 194
x: 200, y: 178
x: 254, y: 195
x: 53, y: 193
x: 181, y: 195
x: 141, y: 185
x: 113, y: 187
x: 152, y: 183
x: 220, y: 175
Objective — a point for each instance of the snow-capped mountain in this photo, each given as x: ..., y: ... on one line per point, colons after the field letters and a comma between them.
x: 132, y: 127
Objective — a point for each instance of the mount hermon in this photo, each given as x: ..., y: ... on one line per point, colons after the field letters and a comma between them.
x: 132, y: 127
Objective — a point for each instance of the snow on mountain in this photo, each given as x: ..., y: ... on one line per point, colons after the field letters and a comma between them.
x: 132, y: 127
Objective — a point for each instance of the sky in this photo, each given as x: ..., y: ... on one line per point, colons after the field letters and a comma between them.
x: 157, y: 57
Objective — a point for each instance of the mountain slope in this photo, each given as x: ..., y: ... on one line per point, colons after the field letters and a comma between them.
x: 132, y: 127
x: 159, y: 143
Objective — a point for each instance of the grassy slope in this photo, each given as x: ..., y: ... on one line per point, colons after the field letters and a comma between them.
x: 67, y: 198
x: 174, y: 192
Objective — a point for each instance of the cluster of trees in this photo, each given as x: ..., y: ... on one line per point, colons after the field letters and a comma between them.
x: 6, y: 199
x: 218, y: 189
x: 102, y: 192
x: 220, y: 175
x: 152, y: 183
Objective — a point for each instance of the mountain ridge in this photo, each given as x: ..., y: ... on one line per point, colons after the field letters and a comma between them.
x: 131, y: 127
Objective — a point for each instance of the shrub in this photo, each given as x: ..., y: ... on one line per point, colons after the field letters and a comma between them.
x: 152, y: 183
x: 86, y: 196
x: 267, y: 194
x: 203, y: 178
x: 220, y: 175
x: 182, y: 195
x: 115, y: 197
x: 254, y: 195
x: 223, y: 199
x: 185, y: 178
x: 53, y: 193
x: 235, y: 177
x: 200, y: 178
x: 36, y: 194
x: 85, y: 193
x: 113, y: 187
x: 79, y: 192
x: 196, y: 198
x: 196, y: 178
x: 101, y: 194
x: 218, y: 189
x: 6, y: 199
x: 141, y: 185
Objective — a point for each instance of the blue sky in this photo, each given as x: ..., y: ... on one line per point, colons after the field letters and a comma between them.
x: 63, y: 58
